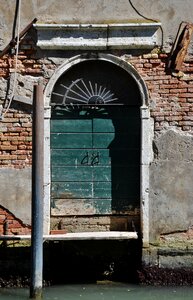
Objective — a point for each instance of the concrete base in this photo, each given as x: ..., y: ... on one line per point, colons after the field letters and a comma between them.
x: 167, y: 258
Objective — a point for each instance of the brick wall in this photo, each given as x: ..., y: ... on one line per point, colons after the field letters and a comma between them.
x: 9, y: 224
x: 171, y: 97
x: 16, y: 139
x: 16, y: 125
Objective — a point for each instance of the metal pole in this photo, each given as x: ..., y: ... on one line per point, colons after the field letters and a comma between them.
x: 37, y: 194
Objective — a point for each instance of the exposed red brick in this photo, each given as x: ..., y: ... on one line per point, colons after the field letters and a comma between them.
x: 14, y: 224
x: 8, y: 147
x: 186, y: 123
x: 169, y: 86
x: 173, y: 118
x: 7, y: 157
x: 186, y: 128
x: 188, y: 118
x: 5, y: 142
x: 164, y: 91
x: 178, y: 91
x: 187, y: 95
x: 22, y: 147
x: 147, y: 65
x: 185, y: 104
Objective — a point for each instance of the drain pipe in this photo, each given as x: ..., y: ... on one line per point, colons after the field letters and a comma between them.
x: 37, y: 194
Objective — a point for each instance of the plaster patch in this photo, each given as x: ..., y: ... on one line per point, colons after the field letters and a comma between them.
x: 171, y: 189
x: 173, y: 145
x: 15, y: 186
x: 24, y: 86
x: 3, y: 88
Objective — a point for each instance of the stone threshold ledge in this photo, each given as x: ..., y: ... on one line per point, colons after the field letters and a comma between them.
x: 101, y: 235
x: 97, y: 36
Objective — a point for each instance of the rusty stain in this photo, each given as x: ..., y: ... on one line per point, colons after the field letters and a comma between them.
x: 180, y: 47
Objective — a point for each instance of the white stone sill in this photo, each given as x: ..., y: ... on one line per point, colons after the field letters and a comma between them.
x: 106, y: 235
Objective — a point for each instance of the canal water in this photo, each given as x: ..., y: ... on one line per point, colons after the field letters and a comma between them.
x: 103, y: 292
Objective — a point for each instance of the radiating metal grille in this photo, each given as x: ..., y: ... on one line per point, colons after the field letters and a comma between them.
x: 85, y: 92
x: 94, y: 83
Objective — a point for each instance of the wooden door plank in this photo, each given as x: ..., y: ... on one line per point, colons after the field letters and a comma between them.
x: 102, y: 190
x: 70, y: 125
x: 102, y: 173
x: 72, y: 157
x: 103, y: 125
x: 73, y: 190
x: 95, y: 164
x: 75, y: 157
x: 71, y: 174
x: 71, y: 140
x: 79, y: 157
x: 102, y: 140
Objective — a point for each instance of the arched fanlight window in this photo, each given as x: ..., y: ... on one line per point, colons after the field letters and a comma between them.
x: 95, y: 82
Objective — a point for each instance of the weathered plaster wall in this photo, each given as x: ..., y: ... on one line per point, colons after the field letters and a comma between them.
x: 15, y: 187
x: 171, y: 192
x: 171, y: 13
x: 171, y: 109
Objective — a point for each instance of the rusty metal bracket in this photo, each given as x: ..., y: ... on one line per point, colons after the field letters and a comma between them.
x: 180, y: 47
x: 13, y: 42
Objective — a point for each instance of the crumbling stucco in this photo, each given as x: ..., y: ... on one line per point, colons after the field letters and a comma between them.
x: 171, y: 192
x: 23, y: 91
x: 95, y: 223
x: 15, y: 187
x: 3, y: 89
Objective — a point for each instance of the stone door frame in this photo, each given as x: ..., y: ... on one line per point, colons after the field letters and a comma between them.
x: 145, y: 137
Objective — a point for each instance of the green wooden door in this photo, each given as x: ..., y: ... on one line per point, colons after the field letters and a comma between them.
x: 95, y: 161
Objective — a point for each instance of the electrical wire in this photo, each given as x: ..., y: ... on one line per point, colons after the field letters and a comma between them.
x: 149, y: 19
x: 16, y: 61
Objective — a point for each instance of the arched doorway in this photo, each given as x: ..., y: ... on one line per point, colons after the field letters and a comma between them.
x: 95, y: 140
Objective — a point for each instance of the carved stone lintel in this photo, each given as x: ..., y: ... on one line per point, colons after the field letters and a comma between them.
x: 97, y: 36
